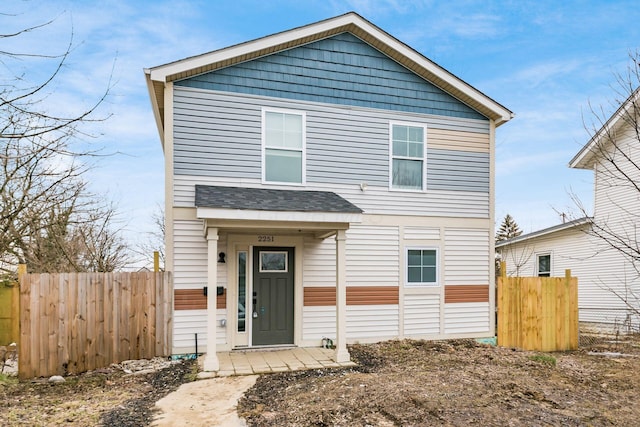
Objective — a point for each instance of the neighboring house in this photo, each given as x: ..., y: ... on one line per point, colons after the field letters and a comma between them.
x: 325, y: 182
x: 593, y: 247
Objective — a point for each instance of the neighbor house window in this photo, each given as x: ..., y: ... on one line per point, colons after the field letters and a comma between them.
x: 422, y: 267
x: 544, y: 265
x: 407, y: 149
x: 283, y: 135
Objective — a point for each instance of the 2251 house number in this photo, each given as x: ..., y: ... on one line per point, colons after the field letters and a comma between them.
x: 263, y: 239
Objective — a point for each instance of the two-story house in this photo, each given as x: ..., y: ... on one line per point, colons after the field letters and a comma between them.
x: 326, y: 182
x: 601, y: 249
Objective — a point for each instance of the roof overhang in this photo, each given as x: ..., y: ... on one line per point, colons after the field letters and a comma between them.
x: 260, y: 209
x: 544, y: 232
x: 351, y: 22
x: 320, y: 224
x: 587, y: 155
x: 243, y: 215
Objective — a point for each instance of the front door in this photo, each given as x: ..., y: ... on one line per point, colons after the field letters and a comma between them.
x: 272, y: 314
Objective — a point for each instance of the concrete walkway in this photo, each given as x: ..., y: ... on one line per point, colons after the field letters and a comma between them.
x: 267, y: 361
x: 213, y: 400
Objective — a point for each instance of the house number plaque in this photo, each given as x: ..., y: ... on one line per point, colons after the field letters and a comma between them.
x: 264, y: 238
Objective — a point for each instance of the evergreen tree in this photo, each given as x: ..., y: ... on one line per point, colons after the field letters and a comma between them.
x: 508, y: 229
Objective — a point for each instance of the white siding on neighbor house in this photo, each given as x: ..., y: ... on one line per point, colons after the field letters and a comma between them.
x: 600, y: 271
x: 421, y: 315
x: 374, y: 200
x: 187, y: 323
x: 569, y: 249
x: 318, y: 323
x: 466, y: 256
x: 372, y: 256
x: 319, y: 262
x: 617, y: 201
x: 372, y: 322
x: 617, y: 208
x: 421, y: 233
x: 466, y: 318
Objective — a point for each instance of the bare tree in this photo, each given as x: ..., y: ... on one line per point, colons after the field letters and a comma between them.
x: 155, y: 239
x: 23, y: 106
x: 48, y: 219
x: 613, y: 152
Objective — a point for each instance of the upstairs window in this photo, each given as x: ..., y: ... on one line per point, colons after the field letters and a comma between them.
x: 544, y: 265
x: 407, y: 148
x: 283, y: 136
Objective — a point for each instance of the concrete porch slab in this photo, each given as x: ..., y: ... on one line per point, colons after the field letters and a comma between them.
x: 249, y: 362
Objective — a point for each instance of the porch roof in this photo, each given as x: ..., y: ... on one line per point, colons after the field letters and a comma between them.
x: 266, y: 199
x: 321, y: 212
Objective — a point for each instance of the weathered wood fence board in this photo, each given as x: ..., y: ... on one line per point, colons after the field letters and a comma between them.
x: 75, y: 322
x: 9, y: 309
x: 538, y: 313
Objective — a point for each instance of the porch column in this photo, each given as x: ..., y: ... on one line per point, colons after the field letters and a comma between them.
x: 211, y: 362
x: 342, y: 354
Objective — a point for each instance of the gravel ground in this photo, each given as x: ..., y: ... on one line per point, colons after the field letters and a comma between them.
x: 139, y: 411
x: 397, y: 383
x: 121, y: 395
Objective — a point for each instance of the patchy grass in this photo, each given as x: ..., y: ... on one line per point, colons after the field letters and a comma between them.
x: 8, y: 379
x: 544, y: 359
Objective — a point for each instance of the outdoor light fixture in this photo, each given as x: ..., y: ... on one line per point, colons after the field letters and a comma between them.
x: 221, y: 256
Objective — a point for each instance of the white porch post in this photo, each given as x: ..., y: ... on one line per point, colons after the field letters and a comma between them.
x: 342, y: 354
x: 211, y: 362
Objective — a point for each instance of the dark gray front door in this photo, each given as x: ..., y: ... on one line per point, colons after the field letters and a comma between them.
x: 272, y: 296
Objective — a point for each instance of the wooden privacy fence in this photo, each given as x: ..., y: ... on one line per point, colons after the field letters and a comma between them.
x: 538, y: 313
x: 75, y: 322
x: 9, y: 324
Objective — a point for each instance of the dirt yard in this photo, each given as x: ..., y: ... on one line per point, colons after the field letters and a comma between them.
x: 397, y: 383
x: 120, y: 395
x: 454, y: 383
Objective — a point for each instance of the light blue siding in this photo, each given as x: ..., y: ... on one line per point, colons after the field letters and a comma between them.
x: 216, y: 138
x: 219, y: 135
x: 457, y: 170
x: 339, y: 70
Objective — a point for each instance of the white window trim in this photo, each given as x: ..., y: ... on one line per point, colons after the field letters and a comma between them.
x: 538, y: 255
x: 424, y: 156
x: 406, y: 267
x: 264, y: 147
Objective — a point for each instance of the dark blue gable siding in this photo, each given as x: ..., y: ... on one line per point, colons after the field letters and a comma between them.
x: 339, y: 70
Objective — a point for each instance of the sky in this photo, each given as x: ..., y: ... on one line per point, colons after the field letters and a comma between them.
x: 549, y: 62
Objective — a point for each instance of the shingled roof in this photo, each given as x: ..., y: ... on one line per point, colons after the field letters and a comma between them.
x: 264, y: 199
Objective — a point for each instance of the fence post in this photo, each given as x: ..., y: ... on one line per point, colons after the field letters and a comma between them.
x: 156, y: 261
x: 500, y: 304
x: 15, y: 303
